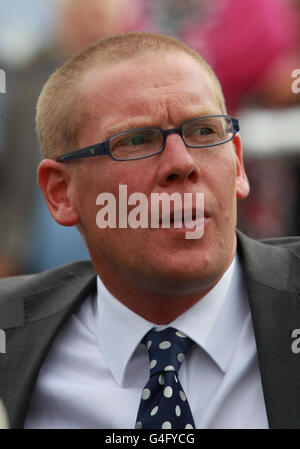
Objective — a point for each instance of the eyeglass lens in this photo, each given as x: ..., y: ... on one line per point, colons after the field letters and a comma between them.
x: 196, y: 133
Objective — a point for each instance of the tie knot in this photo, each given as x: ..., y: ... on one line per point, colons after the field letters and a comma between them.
x: 167, y: 349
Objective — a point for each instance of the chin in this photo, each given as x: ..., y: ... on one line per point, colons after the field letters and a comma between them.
x: 200, y: 274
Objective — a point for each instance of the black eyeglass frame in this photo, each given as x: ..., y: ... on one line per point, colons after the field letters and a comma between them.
x: 103, y: 148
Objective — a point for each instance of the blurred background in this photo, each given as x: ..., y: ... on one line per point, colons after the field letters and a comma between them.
x: 253, y: 46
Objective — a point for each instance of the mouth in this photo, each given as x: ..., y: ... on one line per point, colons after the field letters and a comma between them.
x: 183, y: 218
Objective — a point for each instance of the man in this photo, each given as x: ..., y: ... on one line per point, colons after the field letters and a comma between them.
x: 143, y: 111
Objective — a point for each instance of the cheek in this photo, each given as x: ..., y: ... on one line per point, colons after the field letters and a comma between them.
x: 228, y: 189
x: 95, y: 179
x: 136, y: 175
x: 219, y: 168
x: 220, y: 177
x: 87, y: 187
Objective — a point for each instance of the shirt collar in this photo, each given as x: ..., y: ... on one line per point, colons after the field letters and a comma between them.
x: 118, y: 329
x: 213, y: 323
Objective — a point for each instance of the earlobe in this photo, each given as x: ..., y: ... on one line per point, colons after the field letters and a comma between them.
x: 54, y: 181
x: 242, y: 184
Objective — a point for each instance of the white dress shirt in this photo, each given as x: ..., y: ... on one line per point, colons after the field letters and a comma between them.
x: 96, y: 369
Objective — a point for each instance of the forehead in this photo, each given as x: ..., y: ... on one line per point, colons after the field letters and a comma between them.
x: 149, y: 89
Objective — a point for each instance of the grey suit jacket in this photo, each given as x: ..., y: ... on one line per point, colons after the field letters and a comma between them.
x: 33, y: 308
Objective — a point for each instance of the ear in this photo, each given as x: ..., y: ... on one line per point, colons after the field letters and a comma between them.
x: 54, y: 181
x: 242, y: 184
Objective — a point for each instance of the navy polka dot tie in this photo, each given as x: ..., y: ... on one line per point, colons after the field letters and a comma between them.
x: 164, y: 404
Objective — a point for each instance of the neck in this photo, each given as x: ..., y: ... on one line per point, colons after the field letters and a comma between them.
x: 157, y: 305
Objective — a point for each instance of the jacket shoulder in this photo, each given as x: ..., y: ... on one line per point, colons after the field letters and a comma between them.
x: 290, y: 243
x: 273, y: 262
x: 33, y: 284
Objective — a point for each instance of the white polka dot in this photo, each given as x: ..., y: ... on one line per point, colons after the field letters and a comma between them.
x: 161, y: 379
x: 175, y: 377
x: 182, y: 395
x: 177, y: 410
x: 166, y: 425
x: 180, y: 334
x: 153, y: 363
x: 154, y: 410
x: 189, y: 426
x: 146, y: 393
x: 180, y: 357
x: 169, y: 368
x: 168, y: 391
x: 164, y: 344
x: 149, y: 343
x: 138, y: 425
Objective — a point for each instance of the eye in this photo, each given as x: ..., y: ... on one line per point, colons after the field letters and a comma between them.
x: 202, y: 131
x: 137, y: 140
x: 136, y: 143
x: 205, y: 132
x: 133, y: 139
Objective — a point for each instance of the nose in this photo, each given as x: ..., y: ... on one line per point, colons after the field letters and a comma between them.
x: 177, y: 163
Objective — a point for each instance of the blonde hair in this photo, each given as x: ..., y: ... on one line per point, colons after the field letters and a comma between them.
x: 58, y: 117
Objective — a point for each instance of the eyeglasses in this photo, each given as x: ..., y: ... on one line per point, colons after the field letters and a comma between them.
x: 140, y: 143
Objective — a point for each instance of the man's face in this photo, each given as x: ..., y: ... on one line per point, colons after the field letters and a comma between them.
x: 164, y: 91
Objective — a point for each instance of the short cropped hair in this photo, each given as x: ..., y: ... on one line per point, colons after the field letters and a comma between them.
x: 58, y: 120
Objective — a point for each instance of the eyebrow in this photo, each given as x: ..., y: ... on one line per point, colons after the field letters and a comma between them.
x: 142, y: 123
x: 125, y: 126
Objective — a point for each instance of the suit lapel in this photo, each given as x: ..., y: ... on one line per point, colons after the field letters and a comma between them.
x: 273, y: 284
x: 30, y: 329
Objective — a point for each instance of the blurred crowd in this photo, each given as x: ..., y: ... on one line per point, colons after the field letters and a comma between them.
x: 253, y: 46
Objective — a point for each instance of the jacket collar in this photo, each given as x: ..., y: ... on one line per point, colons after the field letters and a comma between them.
x: 34, y: 310
x: 30, y: 298
x: 273, y: 285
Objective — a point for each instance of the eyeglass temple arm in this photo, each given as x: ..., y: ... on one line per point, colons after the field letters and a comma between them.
x: 235, y: 123
x: 99, y: 149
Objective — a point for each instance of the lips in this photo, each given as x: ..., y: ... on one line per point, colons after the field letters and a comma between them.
x: 183, y: 217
